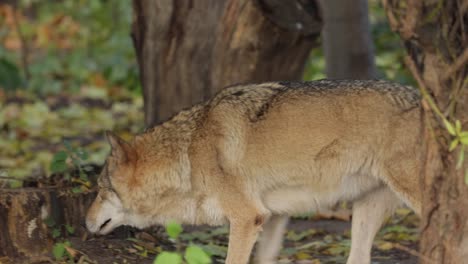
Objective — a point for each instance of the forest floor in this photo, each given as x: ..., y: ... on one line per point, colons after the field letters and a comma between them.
x: 306, y: 241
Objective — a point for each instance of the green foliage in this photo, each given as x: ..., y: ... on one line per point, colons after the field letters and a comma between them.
x: 388, y: 49
x: 173, y: 229
x: 196, y: 255
x: 70, y: 229
x: 59, y: 251
x: 32, y: 130
x: 56, y: 233
x: 10, y: 77
x: 72, y: 44
x: 59, y: 162
x: 168, y: 258
x: 193, y: 253
x: 459, y: 138
x: 466, y: 177
x: 72, y: 158
x: 315, y: 67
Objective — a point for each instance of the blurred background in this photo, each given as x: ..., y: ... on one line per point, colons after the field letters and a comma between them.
x: 71, y: 69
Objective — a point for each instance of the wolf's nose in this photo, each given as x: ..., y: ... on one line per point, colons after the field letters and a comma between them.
x: 91, y: 226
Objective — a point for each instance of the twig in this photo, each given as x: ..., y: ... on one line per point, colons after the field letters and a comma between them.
x: 394, y: 24
x: 24, y: 48
x: 422, y: 87
x: 460, y: 62
x: 16, y: 179
x: 41, y: 189
x: 413, y: 252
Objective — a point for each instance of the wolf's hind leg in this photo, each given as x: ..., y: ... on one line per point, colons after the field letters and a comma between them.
x: 369, y: 212
x: 271, y: 239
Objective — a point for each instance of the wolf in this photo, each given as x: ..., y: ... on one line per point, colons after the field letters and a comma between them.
x: 255, y: 154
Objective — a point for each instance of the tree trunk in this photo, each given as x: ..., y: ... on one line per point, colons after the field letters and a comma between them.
x: 347, y: 42
x: 435, y: 37
x: 188, y: 50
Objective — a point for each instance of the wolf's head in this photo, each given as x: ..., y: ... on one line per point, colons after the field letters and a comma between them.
x: 109, y: 209
x: 144, y: 182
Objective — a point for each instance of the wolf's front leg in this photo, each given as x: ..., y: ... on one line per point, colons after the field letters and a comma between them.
x: 242, y: 236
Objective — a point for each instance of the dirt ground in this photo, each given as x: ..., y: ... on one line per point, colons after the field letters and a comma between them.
x: 114, y: 250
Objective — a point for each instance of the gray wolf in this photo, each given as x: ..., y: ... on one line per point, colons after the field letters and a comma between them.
x: 255, y: 154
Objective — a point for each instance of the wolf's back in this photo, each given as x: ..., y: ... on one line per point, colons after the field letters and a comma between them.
x: 256, y: 99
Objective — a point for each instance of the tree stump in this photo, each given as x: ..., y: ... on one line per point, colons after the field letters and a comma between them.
x: 24, y: 214
x: 24, y: 233
x: 70, y: 209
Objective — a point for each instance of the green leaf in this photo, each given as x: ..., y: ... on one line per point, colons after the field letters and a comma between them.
x: 15, y: 184
x: 55, y: 233
x: 453, y: 144
x: 58, y: 251
x: 466, y: 177
x: 461, y: 157
x: 83, y: 176
x: 449, y: 127
x: 82, y: 154
x: 60, y: 156
x: 49, y: 221
x: 144, y: 253
x: 463, y: 134
x: 70, y: 229
x: 10, y: 78
x: 77, y: 189
x: 464, y: 138
x: 168, y: 258
x: 173, y: 229
x: 457, y: 127
x: 196, y: 255
x: 59, y: 162
x: 58, y: 167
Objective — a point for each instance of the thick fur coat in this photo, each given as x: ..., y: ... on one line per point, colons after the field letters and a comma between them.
x: 254, y: 154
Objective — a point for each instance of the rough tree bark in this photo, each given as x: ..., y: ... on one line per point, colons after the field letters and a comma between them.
x: 188, y: 50
x: 24, y: 234
x: 435, y: 37
x: 347, y: 42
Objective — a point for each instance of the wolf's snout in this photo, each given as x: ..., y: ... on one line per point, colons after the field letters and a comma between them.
x: 104, y: 224
x: 91, y: 226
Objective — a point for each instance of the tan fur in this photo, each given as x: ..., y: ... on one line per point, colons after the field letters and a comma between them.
x: 260, y: 151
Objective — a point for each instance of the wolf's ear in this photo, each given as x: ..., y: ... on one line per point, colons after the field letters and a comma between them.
x: 120, y: 149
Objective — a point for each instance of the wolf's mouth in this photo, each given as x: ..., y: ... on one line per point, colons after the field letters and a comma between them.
x: 104, y: 224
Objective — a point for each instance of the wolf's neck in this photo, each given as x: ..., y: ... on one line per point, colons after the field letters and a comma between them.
x: 174, y: 134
